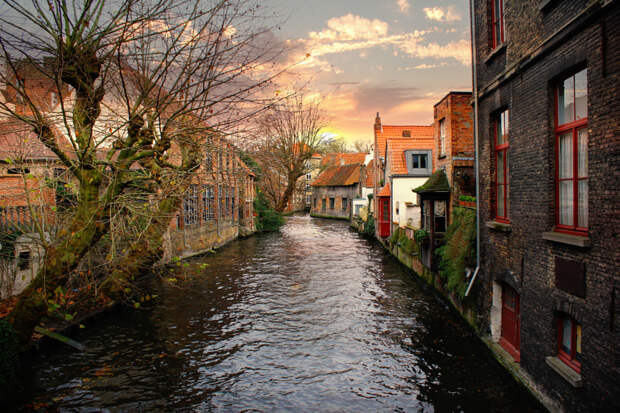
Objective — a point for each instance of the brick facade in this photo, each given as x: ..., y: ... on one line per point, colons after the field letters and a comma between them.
x: 546, y: 41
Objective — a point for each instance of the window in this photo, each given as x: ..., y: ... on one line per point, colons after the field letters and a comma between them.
x: 406, y: 133
x: 332, y: 202
x: 440, y: 216
x: 345, y: 203
x: 419, y: 161
x: 23, y: 260
x: 569, y: 342
x: 502, y: 173
x: 323, y: 201
x: 190, y: 206
x: 308, y: 177
x: 314, y: 202
x: 208, y: 197
x: 442, y: 137
x: 232, y: 202
x: 572, y: 154
x: 497, y: 21
x: 53, y: 99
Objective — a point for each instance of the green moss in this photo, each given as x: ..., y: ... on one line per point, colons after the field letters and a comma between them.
x: 459, y: 250
x: 438, y: 182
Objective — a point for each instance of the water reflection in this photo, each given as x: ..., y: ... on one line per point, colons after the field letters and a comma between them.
x: 313, y: 318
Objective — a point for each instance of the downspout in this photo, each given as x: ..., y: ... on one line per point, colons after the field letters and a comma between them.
x: 476, y: 148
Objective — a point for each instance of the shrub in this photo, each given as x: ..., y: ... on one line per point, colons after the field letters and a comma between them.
x: 420, y: 235
x: 459, y: 250
x: 369, y: 227
x: 268, y: 219
x: 467, y: 198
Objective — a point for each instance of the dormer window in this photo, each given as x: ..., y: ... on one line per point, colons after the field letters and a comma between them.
x: 419, y: 162
x: 406, y: 133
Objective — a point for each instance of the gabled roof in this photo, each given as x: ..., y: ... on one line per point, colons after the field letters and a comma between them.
x: 396, y: 153
x: 339, y: 176
x: 18, y: 141
x: 370, y: 174
x: 438, y: 182
x: 419, y: 135
x: 336, y: 159
x: 385, y: 191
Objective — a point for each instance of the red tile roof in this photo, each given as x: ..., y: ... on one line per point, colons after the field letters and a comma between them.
x: 339, y: 176
x: 334, y: 159
x: 385, y: 191
x: 396, y: 152
x: 18, y: 141
x: 419, y: 134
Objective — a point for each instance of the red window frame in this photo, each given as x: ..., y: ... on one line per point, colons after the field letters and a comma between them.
x: 570, y: 358
x: 503, y: 118
x: 573, y: 128
x: 494, y: 22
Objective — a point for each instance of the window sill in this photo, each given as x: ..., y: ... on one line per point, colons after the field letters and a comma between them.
x: 499, y: 49
x: 563, y: 370
x: 575, y: 240
x: 499, y: 226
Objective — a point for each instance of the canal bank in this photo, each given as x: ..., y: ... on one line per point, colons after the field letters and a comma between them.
x: 404, y: 246
x: 312, y: 318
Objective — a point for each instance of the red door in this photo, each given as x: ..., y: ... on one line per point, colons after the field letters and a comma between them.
x: 511, y: 323
x: 384, y: 217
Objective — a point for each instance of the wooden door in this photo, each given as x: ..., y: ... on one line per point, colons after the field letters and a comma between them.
x: 511, y: 323
x: 384, y: 217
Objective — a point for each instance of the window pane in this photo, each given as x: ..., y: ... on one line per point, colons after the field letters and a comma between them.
x: 500, y: 167
x: 566, y: 101
x: 566, y: 335
x: 423, y: 161
x: 578, y: 339
x: 566, y: 202
x: 500, y: 201
x: 566, y: 155
x: 416, y: 163
x: 582, y: 214
x: 581, y: 95
x: 505, y: 123
x: 582, y: 152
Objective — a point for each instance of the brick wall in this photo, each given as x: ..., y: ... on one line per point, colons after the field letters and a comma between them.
x: 521, y: 257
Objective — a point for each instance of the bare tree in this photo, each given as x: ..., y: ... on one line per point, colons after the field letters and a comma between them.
x: 139, y: 86
x: 291, y: 135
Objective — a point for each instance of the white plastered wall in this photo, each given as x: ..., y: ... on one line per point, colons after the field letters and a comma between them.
x: 496, y: 312
x: 401, y: 195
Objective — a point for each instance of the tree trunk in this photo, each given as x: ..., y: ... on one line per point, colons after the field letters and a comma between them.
x: 288, y: 192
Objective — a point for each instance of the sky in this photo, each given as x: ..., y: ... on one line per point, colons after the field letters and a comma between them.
x: 396, y: 57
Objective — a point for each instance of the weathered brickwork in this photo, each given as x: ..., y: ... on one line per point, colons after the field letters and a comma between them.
x: 541, y: 48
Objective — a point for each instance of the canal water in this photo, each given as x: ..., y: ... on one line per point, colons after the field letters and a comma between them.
x: 314, y: 318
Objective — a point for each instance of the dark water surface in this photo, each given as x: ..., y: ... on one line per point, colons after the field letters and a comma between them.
x: 314, y: 318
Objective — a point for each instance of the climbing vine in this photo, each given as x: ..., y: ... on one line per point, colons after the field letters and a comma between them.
x: 459, y: 251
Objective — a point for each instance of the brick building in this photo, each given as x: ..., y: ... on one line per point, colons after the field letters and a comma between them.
x: 454, y: 174
x: 334, y: 190
x: 547, y: 79
x: 418, y: 137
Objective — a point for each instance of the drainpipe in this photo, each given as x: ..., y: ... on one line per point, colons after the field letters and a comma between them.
x: 476, y: 148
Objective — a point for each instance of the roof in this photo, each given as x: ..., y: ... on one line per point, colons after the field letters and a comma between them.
x: 419, y: 135
x: 385, y: 191
x: 438, y: 182
x: 333, y: 159
x: 396, y: 153
x: 370, y: 174
x: 18, y: 141
x: 339, y: 176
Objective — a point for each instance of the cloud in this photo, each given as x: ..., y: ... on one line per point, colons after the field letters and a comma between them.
x: 351, y: 27
x: 422, y: 66
x: 459, y: 50
x: 447, y: 14
x: 404, y: 6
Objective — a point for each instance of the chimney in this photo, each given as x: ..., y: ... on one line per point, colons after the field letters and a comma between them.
x: 377, y: 123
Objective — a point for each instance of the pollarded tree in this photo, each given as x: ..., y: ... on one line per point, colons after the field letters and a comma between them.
x: 138, y: 86
x: 291, y: 134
